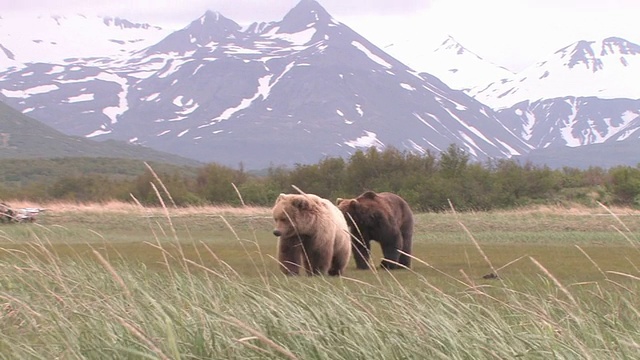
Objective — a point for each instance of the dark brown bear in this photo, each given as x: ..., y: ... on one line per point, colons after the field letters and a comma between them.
x: 385, y: 218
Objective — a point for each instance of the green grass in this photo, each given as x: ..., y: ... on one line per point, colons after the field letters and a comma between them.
x: 198, y: 285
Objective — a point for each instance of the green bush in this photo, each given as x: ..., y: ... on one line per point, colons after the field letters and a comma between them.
x: 625, y: 185
x: 429, y: 182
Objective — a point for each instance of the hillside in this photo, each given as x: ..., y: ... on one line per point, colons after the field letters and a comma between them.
x: 22, y: 172
x: 22, y: 137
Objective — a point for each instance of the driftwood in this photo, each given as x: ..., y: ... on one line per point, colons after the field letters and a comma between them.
x: 21, y: 215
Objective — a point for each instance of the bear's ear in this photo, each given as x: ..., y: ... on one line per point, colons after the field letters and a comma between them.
x: 301, y: 203
x: 281, y: 197
x: 368, y: 195
x: 350, y: 204
x: 339, y: 200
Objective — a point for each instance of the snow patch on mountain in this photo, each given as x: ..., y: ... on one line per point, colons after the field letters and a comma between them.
x: 369, y: 139
x: 112, y: 112
x: 296, y: 39
x: 371, y: 55
x: 101, y: 131
x: 80, y: 98
x: 41, y: 89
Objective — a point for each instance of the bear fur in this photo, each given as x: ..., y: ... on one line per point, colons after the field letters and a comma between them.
x: 313, y: 234
x: 383, y: 217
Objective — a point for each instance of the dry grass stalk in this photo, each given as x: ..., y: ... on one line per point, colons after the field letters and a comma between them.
x: 138, y: 333
x: 260, y: 336
x: 592, y: 262
x: 484, y: 256
x: 113, y: 273
x: 556, y: 281
x: 164, y: 188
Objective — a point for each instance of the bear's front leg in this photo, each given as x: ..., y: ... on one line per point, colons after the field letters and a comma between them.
x: 391, y: 256
x: 313, y: 266
x: 319, y: 261
x: 290, y: 256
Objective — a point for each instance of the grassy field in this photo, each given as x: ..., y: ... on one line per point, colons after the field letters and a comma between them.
x: 121, y: 281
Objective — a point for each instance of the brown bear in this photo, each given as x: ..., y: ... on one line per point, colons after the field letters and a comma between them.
x: 384, y: 217
x: 313, y: 234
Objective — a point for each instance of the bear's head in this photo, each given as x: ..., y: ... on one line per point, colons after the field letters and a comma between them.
x: 366, y: 210
x: 295, y: 214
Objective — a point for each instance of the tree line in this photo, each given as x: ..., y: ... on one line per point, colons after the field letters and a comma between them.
x: 429, y: 182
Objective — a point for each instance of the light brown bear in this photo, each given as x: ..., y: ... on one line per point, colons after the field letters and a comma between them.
x: 313, y: 234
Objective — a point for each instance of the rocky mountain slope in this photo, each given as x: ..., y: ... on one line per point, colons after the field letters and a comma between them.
x: 285, y: 92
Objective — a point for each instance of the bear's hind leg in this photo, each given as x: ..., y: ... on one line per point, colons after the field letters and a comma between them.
x: 338, y: 264
x: 407, y: 243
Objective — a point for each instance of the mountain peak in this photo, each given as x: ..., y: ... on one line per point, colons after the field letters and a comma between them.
x: 586, y: 52
x: 306, y: 14
x: 212, y: 25
x: 460, y: 68
x: 451, y: 44
x: 210, y: 16
x: 124, y: 23
x: 581, y: 53
x: 613, y: 45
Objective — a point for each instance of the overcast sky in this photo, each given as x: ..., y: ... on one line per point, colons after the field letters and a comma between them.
x: 510, y: 33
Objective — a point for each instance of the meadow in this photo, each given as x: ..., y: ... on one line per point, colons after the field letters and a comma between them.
x: 118, y: 280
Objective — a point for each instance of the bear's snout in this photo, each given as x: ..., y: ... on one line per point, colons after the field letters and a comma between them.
x: 277, y: 232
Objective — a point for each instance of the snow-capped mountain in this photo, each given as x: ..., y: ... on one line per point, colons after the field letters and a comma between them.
x: 449, y: 61
x: 285, y: 92
x: 29, y: 39
x: 606, y: 69
x: 460, y: 68
x: 584, y: 94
